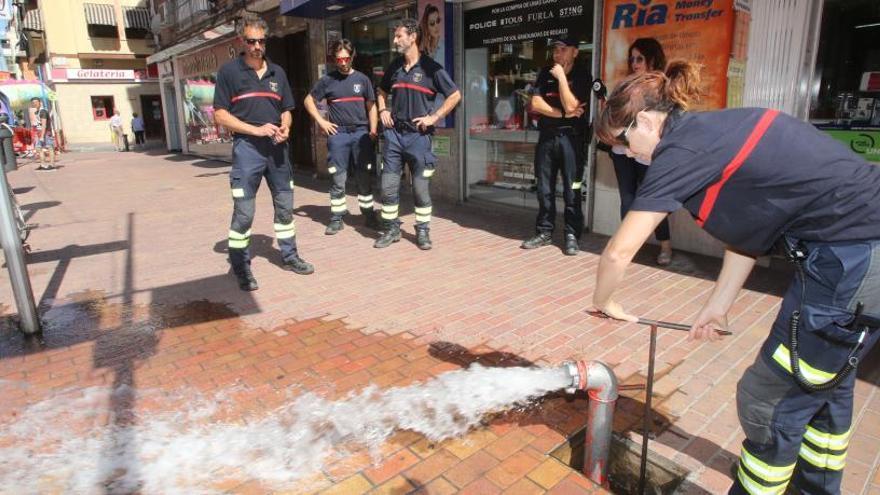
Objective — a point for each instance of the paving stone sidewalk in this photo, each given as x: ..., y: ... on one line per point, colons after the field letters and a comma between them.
x: 129, y: 269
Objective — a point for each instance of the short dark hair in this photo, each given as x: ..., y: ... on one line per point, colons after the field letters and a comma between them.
x: 411, y: 26
x: 652, y: 50
x: 252, y: 21
x: 342, y: 44
x: 36, y: 98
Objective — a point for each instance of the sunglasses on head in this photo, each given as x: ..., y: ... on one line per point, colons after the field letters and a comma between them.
x: 254, y: 41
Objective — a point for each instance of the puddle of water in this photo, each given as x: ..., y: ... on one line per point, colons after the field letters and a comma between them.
x: 187, y: 447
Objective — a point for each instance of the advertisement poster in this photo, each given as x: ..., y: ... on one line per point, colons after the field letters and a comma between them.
x: 435, y: 23
x: 527, y: 20
x: 700, y: 31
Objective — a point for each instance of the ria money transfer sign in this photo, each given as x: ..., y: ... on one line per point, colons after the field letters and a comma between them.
x: 696, y: 30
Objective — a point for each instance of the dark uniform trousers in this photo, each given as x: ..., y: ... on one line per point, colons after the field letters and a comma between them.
x: 252, y: 159
x: 404, y: 144
x: 351, y: 147
x: 794, y: 435
x: 560, y: 151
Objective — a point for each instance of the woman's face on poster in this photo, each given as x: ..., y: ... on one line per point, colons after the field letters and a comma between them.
x: 434, y: 23
x: 637, y: 62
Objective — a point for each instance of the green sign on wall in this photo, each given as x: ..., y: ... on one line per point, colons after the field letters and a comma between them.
x: 441, y: 145
x: 865, y: 143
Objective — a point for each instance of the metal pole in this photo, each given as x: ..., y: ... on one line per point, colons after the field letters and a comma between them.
x: 18, y: 275
x: 649, y: 415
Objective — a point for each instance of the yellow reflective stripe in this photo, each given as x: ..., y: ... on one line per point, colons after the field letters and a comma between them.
x: 291, y: 184
x: 365, y: 199
x: 428, y: 172
x: 424, y: 210
x: 285, y: 230
x: 755, y: 488
x: 237, y: 192
x: 238, y: 244
x: 766, y: 472
x: 828, y: 440
x: 423, y: 218
x: 337, y: 209
x: 235, y: 235
x: 389, y: 216
x: 390, y: 208
x: 834, y: 462
x: 331, y: 170
x: 813, y: 375
x: 576, y: 185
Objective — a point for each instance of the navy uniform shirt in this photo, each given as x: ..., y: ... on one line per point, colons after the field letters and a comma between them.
x: 346, y: 96
x: 796, y: 180
x: 256, y: 101
x: 413, y: 92
x: 546, y: 86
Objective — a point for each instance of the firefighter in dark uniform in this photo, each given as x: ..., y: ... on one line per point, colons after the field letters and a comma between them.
x: 560, y: 96
x: 755, y: 178
x: 351, y: 133
x: 413, y: 82
x: 252, y: 99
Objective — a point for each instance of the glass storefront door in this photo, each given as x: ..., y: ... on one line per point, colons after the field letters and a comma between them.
x: 500, y: 130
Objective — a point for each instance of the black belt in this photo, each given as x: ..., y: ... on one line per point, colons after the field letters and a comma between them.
x: 563, y: 130
x: 406, y: 126
x: 351, y: 128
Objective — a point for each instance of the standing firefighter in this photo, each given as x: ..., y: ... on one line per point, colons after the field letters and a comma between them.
x: 561, y: 94
x: 253, y: 100
x: 413, y: 81
x: 753, y: 178
x: 351, y: 133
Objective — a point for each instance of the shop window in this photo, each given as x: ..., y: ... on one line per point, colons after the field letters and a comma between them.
x: 845, y: 98
x: 102, y: 107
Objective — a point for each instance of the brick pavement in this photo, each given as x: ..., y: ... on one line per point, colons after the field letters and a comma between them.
x: 129, y: 268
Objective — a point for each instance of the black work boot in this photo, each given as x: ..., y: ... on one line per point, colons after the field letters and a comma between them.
x: 334, y: 226
x: 423, y: 239
x: 540, y: 239
x: 390, y: 236
x: 245, y: 277
x: 370, y: 220
x: 299, y: 266
x: 571, y: 247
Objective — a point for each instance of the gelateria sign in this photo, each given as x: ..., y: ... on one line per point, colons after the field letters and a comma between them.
x: 527, y: 20
x: 128, y: 75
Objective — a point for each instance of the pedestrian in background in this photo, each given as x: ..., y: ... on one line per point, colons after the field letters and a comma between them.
x: 45, y: 144
x: 645, y: 54
x: 137, y: 127
x: 116, y: 131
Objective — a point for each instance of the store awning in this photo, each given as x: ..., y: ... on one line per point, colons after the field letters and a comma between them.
x: 136, y: 17
x: 32, y: 21
x: 319, y: 9
x: 98, y: 14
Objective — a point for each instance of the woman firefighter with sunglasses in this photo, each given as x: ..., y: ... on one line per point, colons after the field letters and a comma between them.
x: 755, y: 178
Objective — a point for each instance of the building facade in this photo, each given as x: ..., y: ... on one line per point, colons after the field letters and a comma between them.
x: 96, y: 63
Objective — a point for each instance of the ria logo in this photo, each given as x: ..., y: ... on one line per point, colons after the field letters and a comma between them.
x: 640, y: 13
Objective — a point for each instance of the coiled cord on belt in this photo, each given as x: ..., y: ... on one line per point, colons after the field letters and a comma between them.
x: 852, y: 361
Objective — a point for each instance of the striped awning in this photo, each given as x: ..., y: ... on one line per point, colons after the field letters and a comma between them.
x: 32, y: 21
x: 99, y: 14
x: 136, y: 17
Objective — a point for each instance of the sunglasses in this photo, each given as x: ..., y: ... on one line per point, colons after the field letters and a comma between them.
x: 638, y: 59
x: 254, y: 41
x: 343, y: 60
x: 433, y: 22
x: 622, y: 136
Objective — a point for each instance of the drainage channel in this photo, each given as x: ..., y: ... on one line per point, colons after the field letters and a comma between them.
x: 663, y: 475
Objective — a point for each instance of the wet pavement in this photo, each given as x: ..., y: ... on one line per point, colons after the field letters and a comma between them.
x: 139, y: 313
